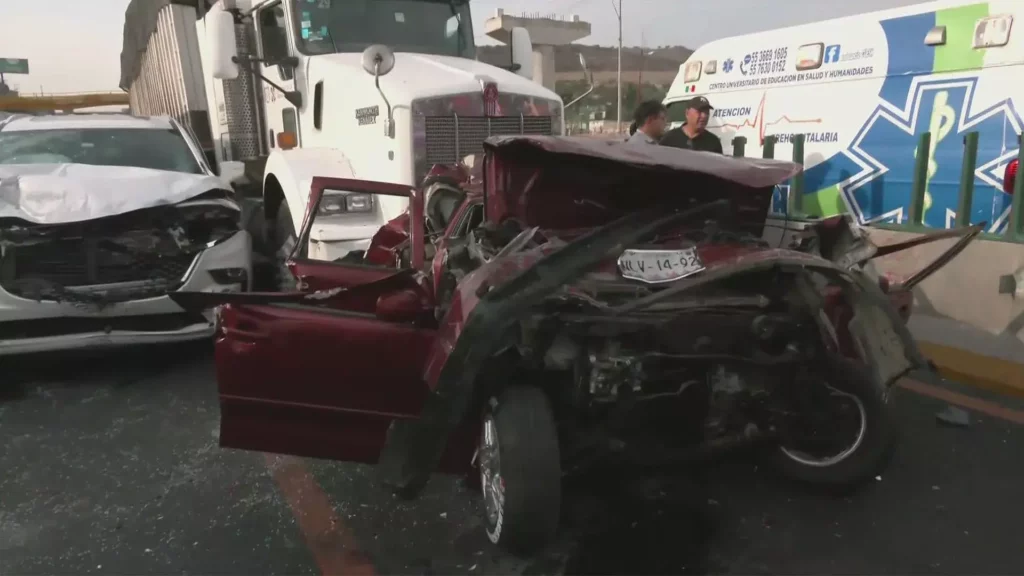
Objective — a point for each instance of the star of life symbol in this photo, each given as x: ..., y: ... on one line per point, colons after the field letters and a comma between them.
x: 944, y: 108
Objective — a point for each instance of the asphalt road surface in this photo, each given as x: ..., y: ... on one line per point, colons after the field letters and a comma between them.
x: 110, y: 465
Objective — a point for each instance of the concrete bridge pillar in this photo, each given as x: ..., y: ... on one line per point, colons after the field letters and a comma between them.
x: 546, y: 32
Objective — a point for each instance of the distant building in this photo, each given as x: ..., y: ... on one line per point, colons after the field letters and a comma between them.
x: 599, y: 119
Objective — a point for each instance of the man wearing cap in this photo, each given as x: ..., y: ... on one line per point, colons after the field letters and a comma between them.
x: 693, y: 134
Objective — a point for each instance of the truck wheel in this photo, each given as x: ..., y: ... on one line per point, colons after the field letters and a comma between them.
x: 282, y: 242
x: 846, y: 441
x: 520, y: 470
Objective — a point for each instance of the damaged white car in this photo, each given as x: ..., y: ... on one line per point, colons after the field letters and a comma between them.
x: 101, y: 216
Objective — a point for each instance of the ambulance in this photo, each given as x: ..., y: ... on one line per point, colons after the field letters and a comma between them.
x: 862, y: 89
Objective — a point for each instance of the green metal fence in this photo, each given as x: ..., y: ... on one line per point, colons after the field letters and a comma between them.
x: 1015, y: 227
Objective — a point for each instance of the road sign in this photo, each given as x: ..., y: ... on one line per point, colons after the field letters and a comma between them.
x: 13, y: 66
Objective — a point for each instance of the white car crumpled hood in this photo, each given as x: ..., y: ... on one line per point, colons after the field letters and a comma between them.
x: 65, y: 193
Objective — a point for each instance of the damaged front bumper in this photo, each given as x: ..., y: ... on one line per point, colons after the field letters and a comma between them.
x: 100, y: 316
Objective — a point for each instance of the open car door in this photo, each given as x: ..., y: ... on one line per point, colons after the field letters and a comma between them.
x: 324, y: 373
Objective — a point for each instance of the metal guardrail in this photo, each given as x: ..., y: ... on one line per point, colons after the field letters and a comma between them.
x: 62, y: 102
x: 1015, y: 227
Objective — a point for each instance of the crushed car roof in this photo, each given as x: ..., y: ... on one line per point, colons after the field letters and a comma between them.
x: 753, y: 172
x: 21, y: 123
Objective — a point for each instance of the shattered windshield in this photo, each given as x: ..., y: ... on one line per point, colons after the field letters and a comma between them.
x: 440, y: 27
x: 138, y: 148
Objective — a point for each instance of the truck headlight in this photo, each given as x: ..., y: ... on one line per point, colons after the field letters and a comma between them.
x: 359, y: 202
x: 337, y: 202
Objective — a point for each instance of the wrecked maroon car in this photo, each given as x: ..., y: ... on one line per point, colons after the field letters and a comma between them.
x: 590, y: 304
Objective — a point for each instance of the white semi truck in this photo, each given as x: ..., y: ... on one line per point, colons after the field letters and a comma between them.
x: 369, y: 89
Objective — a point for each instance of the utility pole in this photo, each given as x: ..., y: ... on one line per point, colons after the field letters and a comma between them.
x: 640, y: 74
x: 618, y: 76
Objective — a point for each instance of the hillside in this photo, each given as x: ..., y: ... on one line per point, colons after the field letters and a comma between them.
x: 602, y: 59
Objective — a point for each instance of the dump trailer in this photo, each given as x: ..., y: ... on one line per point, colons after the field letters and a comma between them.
x: 368, y: 89
x: 161, y: 68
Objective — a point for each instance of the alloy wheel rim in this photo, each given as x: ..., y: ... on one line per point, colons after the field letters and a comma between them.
x: 491, y: 482
x: 831, y: 460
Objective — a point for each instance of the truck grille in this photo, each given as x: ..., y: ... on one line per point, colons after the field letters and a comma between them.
x: 452, y: 138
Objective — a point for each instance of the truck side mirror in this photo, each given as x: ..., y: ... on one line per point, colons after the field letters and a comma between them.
x: 379, y: 60
x: 522, y: 52
x: 220, y: 31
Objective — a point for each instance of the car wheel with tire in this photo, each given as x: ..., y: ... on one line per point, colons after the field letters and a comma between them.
x: 520, y: 470
x: 847, y: 439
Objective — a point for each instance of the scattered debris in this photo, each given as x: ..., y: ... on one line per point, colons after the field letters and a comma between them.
x: 953, y: 416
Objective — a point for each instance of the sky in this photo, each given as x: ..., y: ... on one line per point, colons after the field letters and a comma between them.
x: 80, y: 49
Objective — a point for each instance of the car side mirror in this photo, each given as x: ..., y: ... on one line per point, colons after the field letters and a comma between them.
x: 220, y: 32
x: 522, y: 52
x: 401, y: 306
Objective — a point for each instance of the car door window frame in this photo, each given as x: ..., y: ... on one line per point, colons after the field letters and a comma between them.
x: 285, y: 73
x: 416, y: 231
x: 461, y: 228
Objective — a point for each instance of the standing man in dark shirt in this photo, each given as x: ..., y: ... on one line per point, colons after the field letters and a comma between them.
x: 693, y: 134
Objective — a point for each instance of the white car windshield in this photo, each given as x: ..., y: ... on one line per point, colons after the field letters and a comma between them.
x: 133, y: 147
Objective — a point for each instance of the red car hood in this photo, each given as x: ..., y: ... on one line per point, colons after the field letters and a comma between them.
x: 558, y: 183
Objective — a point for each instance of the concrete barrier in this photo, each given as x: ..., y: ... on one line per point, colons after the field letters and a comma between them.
x: 968, y: 316
x: 971, y: 329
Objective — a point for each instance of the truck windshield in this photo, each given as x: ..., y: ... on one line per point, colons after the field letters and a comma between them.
x: 133, y: 147
x: 442, y: 27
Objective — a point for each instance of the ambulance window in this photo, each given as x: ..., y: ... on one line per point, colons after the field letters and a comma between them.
x: 993, y: 32
x: 691, y: 73
x: 809, y: 56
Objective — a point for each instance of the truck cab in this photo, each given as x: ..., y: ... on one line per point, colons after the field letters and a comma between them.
x: 371, y: 89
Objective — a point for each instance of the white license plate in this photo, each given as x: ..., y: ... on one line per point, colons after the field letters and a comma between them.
x: 653, y: 266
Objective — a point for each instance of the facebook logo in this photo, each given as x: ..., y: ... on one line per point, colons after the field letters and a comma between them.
x: 832, y: 53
